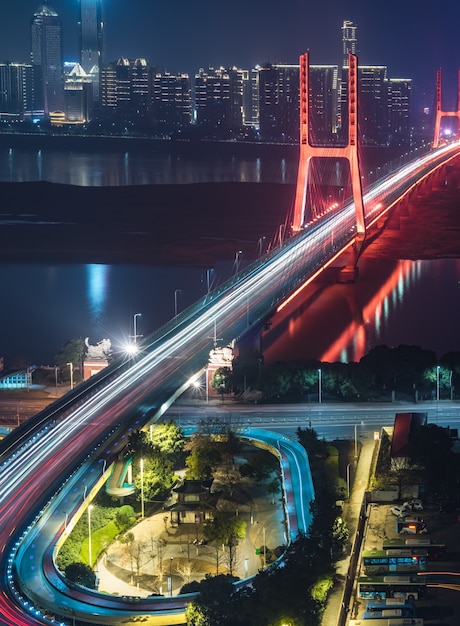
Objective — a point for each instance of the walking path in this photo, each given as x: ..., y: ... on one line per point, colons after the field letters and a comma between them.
x: 351, y: 513
x: 161, y: 559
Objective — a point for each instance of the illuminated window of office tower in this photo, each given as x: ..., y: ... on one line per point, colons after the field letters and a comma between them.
x: 349, y: 40
x: 91, y: 39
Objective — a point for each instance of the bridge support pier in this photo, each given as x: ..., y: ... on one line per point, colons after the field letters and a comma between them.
x: 348, y: 152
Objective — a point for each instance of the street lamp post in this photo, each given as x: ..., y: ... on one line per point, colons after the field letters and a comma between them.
x: 260, y: 245
x: 170, y: 576
x: 71, y: 374
x: 237, y: 261
x: 348, y: 480
x: 90, y: 547
x: 142, y: 488
x: 176, y: 293
x: 437, y: 382
x: 135, y: 335
x: 264, y: 540
x: 208, y: 279
x: 55, y: 377
x: 319, y: 386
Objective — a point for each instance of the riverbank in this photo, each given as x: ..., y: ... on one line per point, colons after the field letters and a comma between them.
x: 198, y: 224
x: 194, y: 224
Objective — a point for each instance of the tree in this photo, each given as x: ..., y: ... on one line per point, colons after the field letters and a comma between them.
x: 157, y: 478
x: 340, y: 536
x: 222, y: 380
x: 71, y: 352
x: 203, y: 460
x: 399, y: 472
x: 81, y: 574
x: 214, y: 605
x: 168, y: 439
x: 227, y: 530
x: 273, y: 488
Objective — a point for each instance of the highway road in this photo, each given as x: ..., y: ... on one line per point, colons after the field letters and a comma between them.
x: 330, y: 421
x: 89, y: 423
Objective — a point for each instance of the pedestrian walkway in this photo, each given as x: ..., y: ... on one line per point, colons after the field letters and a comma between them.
x: 351, y: 513
x: 162, y: 558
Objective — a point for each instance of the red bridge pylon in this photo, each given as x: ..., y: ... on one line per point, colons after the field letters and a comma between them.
x: 348, y: 152
x: 440, y: 113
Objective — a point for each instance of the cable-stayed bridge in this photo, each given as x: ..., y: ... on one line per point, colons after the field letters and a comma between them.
x: 53, y: 464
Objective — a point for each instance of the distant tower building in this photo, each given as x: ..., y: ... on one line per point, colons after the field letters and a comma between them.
x: 349, y: 40
x: 46, y: 40
x: 349, y: 45
x: 91, y: 40
x: 78, y: 96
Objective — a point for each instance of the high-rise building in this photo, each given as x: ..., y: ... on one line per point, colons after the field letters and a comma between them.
x: 349, y: 40
x: 126, y: 90
x: 279, y: 102
x: 78, y: 96
x: 15, y: 90
x: 399, y: 104
x: 91, y: 40
x: 219, y: 100
x: 323, y: 102
x: 172, y: 100
x: 46, y: 48
x: 251, y: 97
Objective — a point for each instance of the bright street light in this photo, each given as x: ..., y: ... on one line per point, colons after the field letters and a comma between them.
x: 237, y: 261
x: 437, y: 382
x: 319, y: 386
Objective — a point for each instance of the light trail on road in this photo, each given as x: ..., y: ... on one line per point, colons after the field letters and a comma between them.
x: 41, y: 455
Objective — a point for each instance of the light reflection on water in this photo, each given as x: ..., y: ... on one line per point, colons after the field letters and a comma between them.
x: 392, y: 303
x: 131, y: 168
x: 97, y: 291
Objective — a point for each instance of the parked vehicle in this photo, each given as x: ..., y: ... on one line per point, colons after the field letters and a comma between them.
x: 411, y: 526
x: 400, y: 511
x: 414, y: 505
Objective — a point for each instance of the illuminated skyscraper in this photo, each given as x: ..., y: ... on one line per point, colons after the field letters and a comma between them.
x: 349, y: 40
x: 46, y: 40
x: 91, y: 40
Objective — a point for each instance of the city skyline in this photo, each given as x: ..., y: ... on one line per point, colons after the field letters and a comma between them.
x: 410, y: 39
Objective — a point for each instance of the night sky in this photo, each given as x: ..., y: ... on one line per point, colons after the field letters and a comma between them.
x: 413, y: 38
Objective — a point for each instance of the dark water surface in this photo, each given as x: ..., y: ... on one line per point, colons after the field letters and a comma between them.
x: 45, y: 305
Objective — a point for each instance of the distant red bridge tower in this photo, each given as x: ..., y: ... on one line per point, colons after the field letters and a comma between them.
x: 440, y: 113
x: 348, y: 152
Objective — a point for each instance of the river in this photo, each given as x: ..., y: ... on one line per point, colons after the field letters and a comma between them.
x: 44, y: 305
